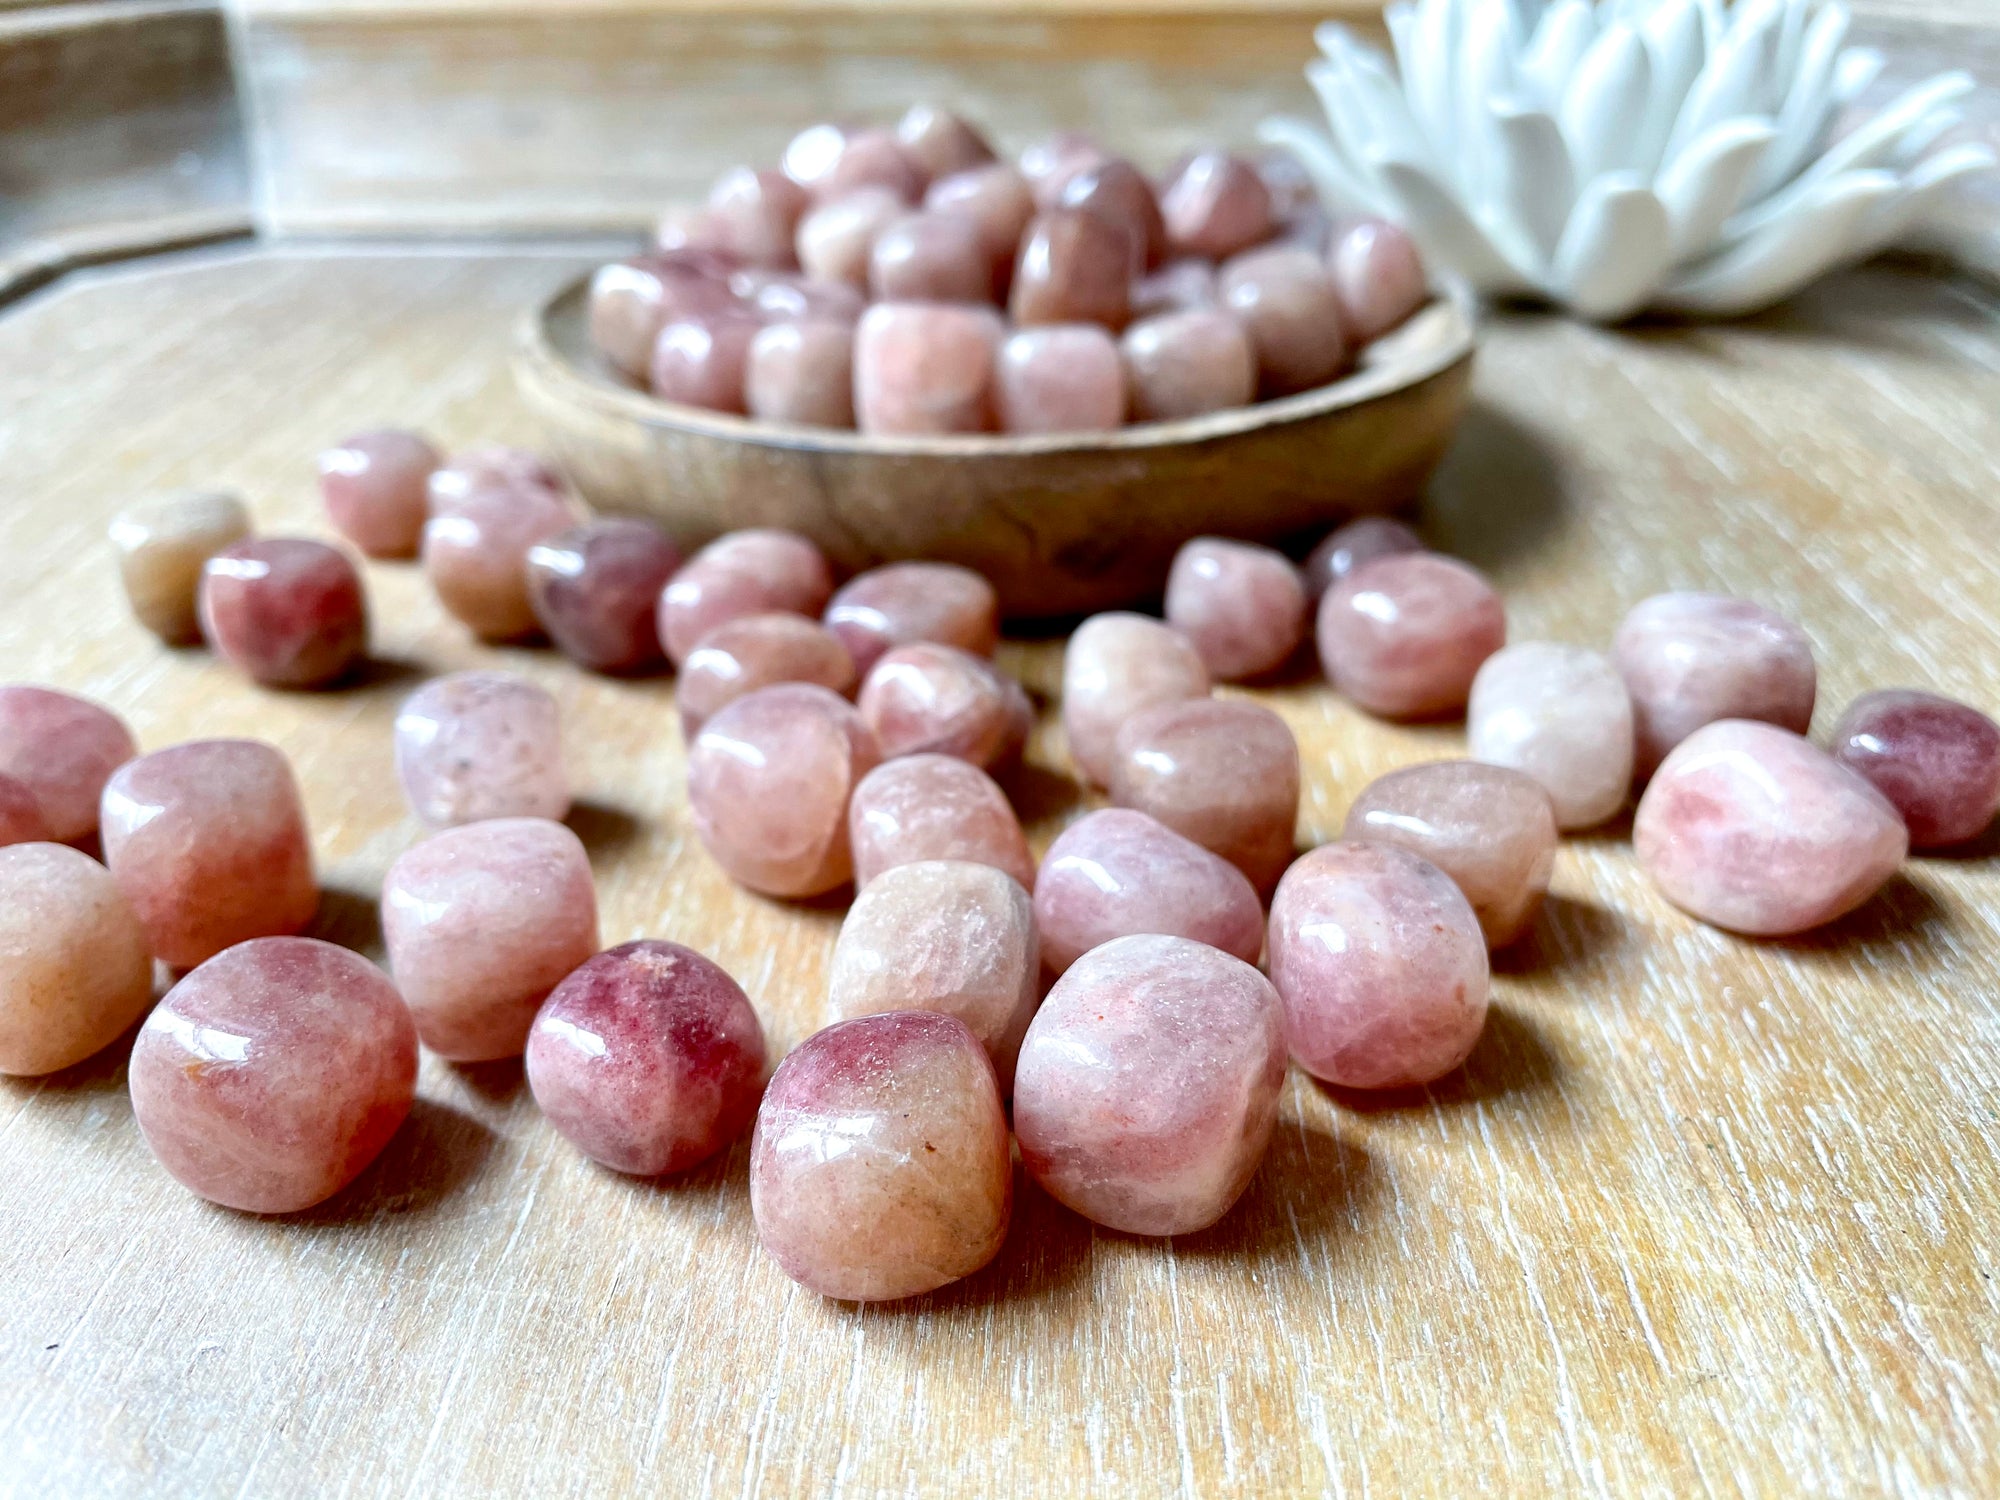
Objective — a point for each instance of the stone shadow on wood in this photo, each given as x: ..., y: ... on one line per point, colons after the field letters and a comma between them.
x: 1510, y: 1060
x: 1499, y: 494
x: 438, y: 1151
x: 1568, y: 933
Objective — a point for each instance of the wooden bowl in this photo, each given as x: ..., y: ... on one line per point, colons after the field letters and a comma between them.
x: 1062, y: 524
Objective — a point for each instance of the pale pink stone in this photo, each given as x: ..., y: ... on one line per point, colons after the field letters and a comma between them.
x: 997, y: 198
x: 1115, y: 665
x: 487, y: 510
x: 21, y: 820
x: 375, y: 488
x: 63, y: 749
x: 927, y: 807
x: 810, y: 155
x: 269, y: 1077
x: 1222, y: 772
x: 1117, y: 872
x: 790, y: 297
x: 477, y: 745
x: 1285, y: 299
x: 75, y: 970
x: 756, y: 215
x: 596, y: 590
x: 702, y: 361
x: 481, y: 922
x: 208, y: 842
x: 758, y: 651
x: 1691, y: 659
x: 1561, y: 715
x: 1935, y: 759
x: 869, y: 159
x: 925, y: 368
x: 1490, y: 829
x: 899, y: 604
x: 1185, y: 364
x: 1148, y: 1084
x: 648, y: 1058
x: 1753, y: 828
x: 1216, y: 206
x: 630, y: 301
x: 755, y: 572
x: 1346, y: 548
x: 1404, y: 635
x: 1050, y: 163
x: 1175, y: 287
x: 929, y: 698
x: 1379, y: 276
x: 931, y: 256
x: 944, y: 935
x: 1380, y: 964
x: 1073, y: 267
x: 161, y: 545
x: 941, y: 142
x: 698, y: 230
x: 1117, y: 192
x: 1063, y: 377
x: 835, y: 239
x: 879, y: 1168
x: 1242, y: 606
x: 802, y: 372
x: 285, y: 611
x: 768, y: 783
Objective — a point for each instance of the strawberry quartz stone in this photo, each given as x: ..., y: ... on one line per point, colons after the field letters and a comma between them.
x: 1115, y: 665
x: 1935, y: 759
x: 473, y: 745
x: 74, y: 967
x: 1243, y: 606
x: 375, y: 488
x: 751, y: 572
x: 935, y: 699
x: 63, y: 749
x: 596, y: 591
x: 898, y: 604
x: 924, y: 807
x: 286, y: 611
x: 758, y: 651
x: 1404, y: 635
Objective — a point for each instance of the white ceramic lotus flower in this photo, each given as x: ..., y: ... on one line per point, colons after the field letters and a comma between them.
x: 1678, y: 155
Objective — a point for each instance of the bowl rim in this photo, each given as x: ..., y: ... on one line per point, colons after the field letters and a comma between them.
x: 1453, y: 301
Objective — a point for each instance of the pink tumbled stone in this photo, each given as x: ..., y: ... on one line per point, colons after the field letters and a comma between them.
x: 944, y: 935
x: 75, y: 970
x: 596, y: 590
x: 811, y: 154
x: 1490, y: 829
x: 1691, y: 659
x: 1117, y: 192
x: 1379, y: 276
x: 940, y: 142
x: 1215, y: 206
x: 1148, y: 1085
x: 1404, y: 635
x: 879, y: 1168
x: 1062, y: 377
x: 869, y: 159
x: 630, y: 301
x: 758, y: 651
x: 755, y: 572
x: 208, y: 842
x: 63, y: 749
x: 996, y: 198
x: 835, y: 239
x: 802, y: 372
x: 931, y: 256
x: 1754, y: 828
x: 1284, y: 297
x: 374, y: 485
x: 648, y: 1058
x: 756, y: 215
x: 927, y: 807
x: 1048, y: 164
x: 1184, y: 364
x: 1935, y: 759
x: 285, y: 611
x: 702, y: 361
x: 1175, y: 287
x: 768, y: 783
x: 1221, y: 772
x: 1561, y: 715
x: 477, y: 745
x: 789, y: 297
x: 1346, y: 548
x: 899, y: 604
x: 1116, y: 872
x: 929, y: 698
x: 21, y: 820
x: 269, y: 1077
x: 1115, y: 665
x: 487, y: 509
x: 1380, y: 964
x: 481, y: 922
x: 1241, y: 605
x: 1073, y: 267
x: 925, y: 368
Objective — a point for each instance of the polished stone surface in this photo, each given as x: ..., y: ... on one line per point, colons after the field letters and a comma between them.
x: 925, y: 368
x: 930, y: 698
x: 1242, y: 606
x: 63, y: 748
x: 1936, y: 759
x: 75, y: 970
x: 1561, y: 715
x: 801, y: 372
x: 933, y: 807
x: 1061, y: 377
x: 754, y: 572
x: 1404, y: 635
x: 1073, y: 267
x: 1346, y: 548
x: 1114, y: 665
x: 1216, y: 206
x: 285, y: 611
x: 1187, y: 363
x: 162, y: 544
x: 374, y: 485
x: 474, y: 745
x: 596, y: 590
x: 1284, y: 297
x: 899, y: 604
x: 758, y: 651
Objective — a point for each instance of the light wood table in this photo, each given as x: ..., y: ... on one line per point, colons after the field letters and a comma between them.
x: 1702, y: 1216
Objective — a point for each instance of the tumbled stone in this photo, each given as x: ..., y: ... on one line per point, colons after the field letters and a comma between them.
x: 931, y: 257
x: 754, y: 572
x: 1691, y: 659
x: 1404, y: 635
x: 1184, y: 364
x: 930, y: 807
x: 928, y: 698
x: 1561, y: 715
x: 487, y: 510
x: 268, y: 1078
x: 63, y: 749
x: 756, y: 215
x: 1062, y: 377
x: 161, y: 545
x: 477, y: 745
x: 1285, y: 299
x: 1117, y: 192
x: 1222, y: 772
x: 1379, y: 276
x: 375, y: 488
x: 869, y: 158
x: 948, y: 936
x: 758, y: 651
x: 925, y: 368
x: 697, y: 230
x: 802, y: 372
x: 769, y: 778
x: 1148, y: 1084
x: 1175, y: 287
x: 1073, y: 267
x: 1242, y: 606
x: 75, y: 970
x: 879, y: 1168
x: 1216, y: 206
x: 791, y: 297
x: 996, y: 198
x: 940, y: 142
x: 1756, y: 829
x: 596, y: 590
x: 702, y: 361
x: 1050, y: 163
x: 811, y: 154
x: 899, y: 604
x: 835, y: 239
x: 286, y: 611
x: 1115, y: 665
x: 481, y: 922
x: 1490, y: 829
x: 21, y: 820
x: 648, y: 1058
x: 208, y: 842
x: 632, y: 300
x: 1935, y: 759
x: 1346, y: 548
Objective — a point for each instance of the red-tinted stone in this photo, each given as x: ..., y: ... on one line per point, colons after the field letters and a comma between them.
x: 1216, y: 206
x: 74, y: 967
x: 1379, y: 276
x: 1073, y: 267
x: 1119, y: 193
x: 1936, y: 760
x: 596, y: 590
x: 285, y: 611
x: 1115, y: 665
x: 630, y: 301
x: 997, y: 198
x: 374, y: 485
x: 802, y: 372
x: 1346, y: 548
x: 1184, y: 364
x: 941, y: 142
x: 1175, y: 287
x: 488, y: 509
x: 931, y: 257
x: 1062, y: 377
x: 928, y: 698
x: 869, y: 159
x: 925, y: 368
x: 1404, y: 635
x: 63, y: 749
x: 1050, y: 163
x: 834, y: 240
x: 1285, y: 299
x: 477, y: 745
x: 751, y: 572
x: 756, y: 216
x: 758, y: 651
x: 162, y: 544
x: 1242, y: 606
x: 810, y: 155
x: 934, y: 807
x: 21, y: 820
x: 701, y: 361
x: 899, y: 604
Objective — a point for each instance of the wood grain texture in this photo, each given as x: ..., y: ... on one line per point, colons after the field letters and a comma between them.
x: 1702, y: 1216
